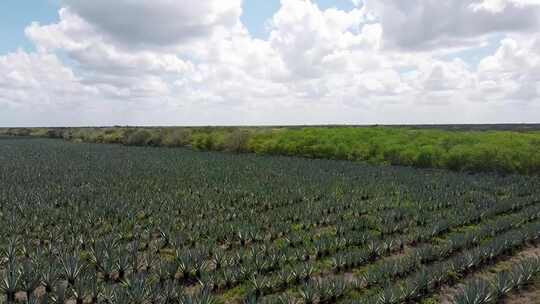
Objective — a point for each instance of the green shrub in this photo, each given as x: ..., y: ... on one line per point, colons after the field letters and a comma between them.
x: 55, y: 133
x: 428, y: 157
x: 177, y: 138
x: 113, y: 138
x: 487, y: 151
x: 408, y: 157
x: 19, y: 132
x: 202, y: 141
x: 40, y: 132
x: 138, y: 138
x: 237, y: 141
x: 156, y: 138
x: 458, y: 158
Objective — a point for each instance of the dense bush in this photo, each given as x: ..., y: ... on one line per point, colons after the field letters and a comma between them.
x: 202, y: 141
x: 237, y: 141
x: 138, y: 138
x: 176, y: 138
x: 55, y: 133
x: 486, y: 151
x: 503, y: 152
x: 18, y: 132
x: 112, y: 136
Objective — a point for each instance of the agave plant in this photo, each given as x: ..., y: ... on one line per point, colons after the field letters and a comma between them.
x: 408, y: 291
x: 122, y: 264
x: 133, y: 249
x: 10, y: 252
x: 72, y: 267
x: 422, y: 281
x: 30, y: 276
x: 502, y: 284
x: 251, y: 299
x: 259, y: 285
x: 331, y: 290
x: 59, y: 294
x: 79, y: 288
x: 107, y: 295
x: 388, y: 296
x: 476, y: 292
x: 94, y: 288
x: 524, y: 271
x: 308, y: 293
x: 374, y: 249
x: 305, y: 271
x: 50, y: 275
x: 218, y: 259
x: 170, y: 292
x: 339, y: 262
x: 137, y: 289
x: 9, y: 282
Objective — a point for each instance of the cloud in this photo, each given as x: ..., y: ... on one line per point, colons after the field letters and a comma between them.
x: 157, y: 22
x: 513, y: 72
x: 381, y: 62
x: 432, y: 24
x: 310, y: 40
x: 36, y: 80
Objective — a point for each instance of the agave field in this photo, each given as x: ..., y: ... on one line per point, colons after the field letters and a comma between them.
x: 97, y: 223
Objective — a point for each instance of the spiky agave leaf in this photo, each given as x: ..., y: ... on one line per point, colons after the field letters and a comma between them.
x: 476, y: 292
x: 502, y: 284
x: 10, y: 281
x: 72, y: 266
x: 388, y: 296
x: 308, y: 293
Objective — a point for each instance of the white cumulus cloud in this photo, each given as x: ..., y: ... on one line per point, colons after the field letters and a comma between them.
x: 194, y: 62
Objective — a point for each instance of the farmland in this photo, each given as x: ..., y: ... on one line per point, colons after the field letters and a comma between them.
x: 100, y: 223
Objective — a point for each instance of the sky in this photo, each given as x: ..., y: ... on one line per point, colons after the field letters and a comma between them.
x: 268, y: 62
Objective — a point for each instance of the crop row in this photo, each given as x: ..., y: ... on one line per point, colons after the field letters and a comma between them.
x: 387, y: 270
x: 484, y: 292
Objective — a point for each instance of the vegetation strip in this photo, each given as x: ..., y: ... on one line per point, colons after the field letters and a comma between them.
x: 460, y: 150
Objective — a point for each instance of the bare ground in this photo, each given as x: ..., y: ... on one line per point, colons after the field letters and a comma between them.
x: 527, y: 296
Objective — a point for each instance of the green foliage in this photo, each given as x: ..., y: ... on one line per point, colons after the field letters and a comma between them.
x: 522, y: 273
x: 138, y: 138
x: 17, y: 132
x: 431, y: 301
x: 112, y: 136
x: 202, y: 141
x: 487, y: 151
x: 237, y: 141
x: 502, y: 152
x: 176, y: 138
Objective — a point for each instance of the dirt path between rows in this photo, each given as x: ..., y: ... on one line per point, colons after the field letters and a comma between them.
x: 532, y: 296
x: 527, y: 296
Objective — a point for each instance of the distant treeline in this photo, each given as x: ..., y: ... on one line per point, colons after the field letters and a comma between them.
x: 473, y: 151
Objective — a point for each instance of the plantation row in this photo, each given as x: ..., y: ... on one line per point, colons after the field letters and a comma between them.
x: 436, y: 264
x: 519, y: 276
x: 86, y: 223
